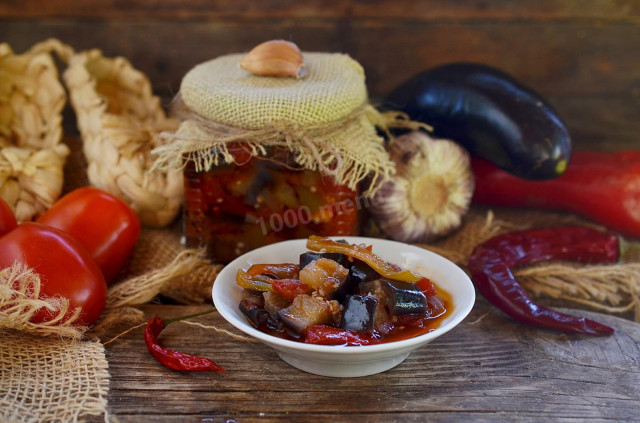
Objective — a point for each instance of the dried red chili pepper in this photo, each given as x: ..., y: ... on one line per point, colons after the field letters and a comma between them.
x: 601, y: 186
x: 172, y: 359
x: 491, y: 265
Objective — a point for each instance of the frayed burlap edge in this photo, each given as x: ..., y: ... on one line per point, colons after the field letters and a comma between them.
x: 19, y: 296
x: 124, y: 297
x: 48, y: 371
x: 323, y: 148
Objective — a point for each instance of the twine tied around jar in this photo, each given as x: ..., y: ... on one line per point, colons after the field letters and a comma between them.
x: 324, y: 120
x: 312, y: 145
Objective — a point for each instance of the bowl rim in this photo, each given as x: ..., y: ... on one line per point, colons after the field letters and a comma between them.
x: 460, y: 312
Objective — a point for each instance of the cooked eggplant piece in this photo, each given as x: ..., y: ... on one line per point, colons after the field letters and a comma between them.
x: 404, y: 298
x: 310, y: 256
x: 359, y: 313
x: 362, y: 272
x: 359, y: 272
x: 274, y: 302
x: 305, y: 310
x: 382, y: 321
x: 257, y: 315
x: 324, y: 276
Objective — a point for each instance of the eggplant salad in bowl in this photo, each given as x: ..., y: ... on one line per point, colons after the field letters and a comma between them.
x: 343, y: 307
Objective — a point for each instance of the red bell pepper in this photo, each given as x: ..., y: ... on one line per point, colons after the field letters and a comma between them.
x: 601, y: 186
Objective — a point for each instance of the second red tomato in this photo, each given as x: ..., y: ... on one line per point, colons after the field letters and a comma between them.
x: 107, y: 227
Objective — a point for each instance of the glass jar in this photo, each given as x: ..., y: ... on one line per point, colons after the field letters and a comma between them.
x: 234, y: 208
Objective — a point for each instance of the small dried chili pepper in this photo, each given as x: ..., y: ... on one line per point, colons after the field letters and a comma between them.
x: 317, y: 243
x: 172, y: 359
x: 491, y: 265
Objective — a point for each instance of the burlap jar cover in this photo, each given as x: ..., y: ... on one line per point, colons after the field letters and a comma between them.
x: 324, y: 119
x: 45, y: 379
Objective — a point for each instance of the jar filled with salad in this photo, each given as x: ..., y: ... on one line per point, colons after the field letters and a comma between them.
x: 275, y: 144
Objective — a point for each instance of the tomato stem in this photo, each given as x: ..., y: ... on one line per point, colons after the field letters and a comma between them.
x: 627, y: 247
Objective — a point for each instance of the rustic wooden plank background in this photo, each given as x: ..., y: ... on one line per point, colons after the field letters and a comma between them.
x: 583, y: 55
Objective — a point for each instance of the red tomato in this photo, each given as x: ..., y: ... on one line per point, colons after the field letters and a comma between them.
x: 289, y: 288
x: 7, y: 219
x: 107, y: 227
x: 65, y: 268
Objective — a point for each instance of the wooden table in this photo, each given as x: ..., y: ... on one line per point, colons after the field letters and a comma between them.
x: 489, y: 368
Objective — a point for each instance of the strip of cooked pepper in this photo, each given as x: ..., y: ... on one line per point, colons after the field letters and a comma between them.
x: 317, y: 243
x: 491, y: 265
x: 280, y: 271
x: 328, y: 335
x: 254, y: 282
x: 172, y: 359
x: 289, y: 288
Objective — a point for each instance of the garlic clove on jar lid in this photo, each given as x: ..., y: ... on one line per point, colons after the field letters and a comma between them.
x: 278, y: 58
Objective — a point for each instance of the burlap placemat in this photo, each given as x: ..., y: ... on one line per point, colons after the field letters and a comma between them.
x: 51, y: 379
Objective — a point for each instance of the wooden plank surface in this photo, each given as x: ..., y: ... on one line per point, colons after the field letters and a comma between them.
x: 556, y: 58
x: 387, y: 9
x: 590, y: 72
x: 583, y: 55
x: 489, y: 368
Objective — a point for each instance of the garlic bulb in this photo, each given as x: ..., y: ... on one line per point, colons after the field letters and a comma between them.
x: 275, y: 58
x: 430, y: 192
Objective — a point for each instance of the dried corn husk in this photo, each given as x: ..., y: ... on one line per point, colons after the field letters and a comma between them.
x: 119, y: 119
x: 32, y: 156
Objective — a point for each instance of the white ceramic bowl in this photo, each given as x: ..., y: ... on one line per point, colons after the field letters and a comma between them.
x: 342, y: 361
